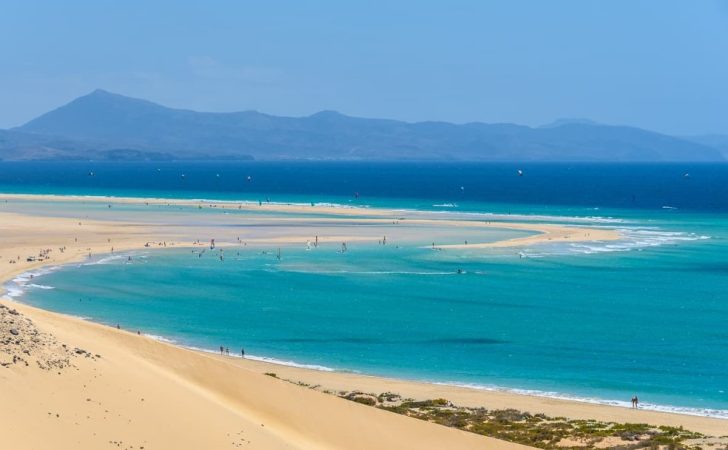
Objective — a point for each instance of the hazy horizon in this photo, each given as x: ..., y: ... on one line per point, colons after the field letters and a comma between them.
x: 648, y: 64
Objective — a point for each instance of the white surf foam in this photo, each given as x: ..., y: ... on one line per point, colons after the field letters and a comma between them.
x: 208, y: 201
x: 105, y: 260
x: 637, y: 238
x: 376, y: 272
x: 110, y: 259
x: 631, y: 239
x: 17, y: 286
x: 266, y: 359
x: 38, y: 286
x: 281, y: 362
x: 159, y: 338
x: 506, y: 218
x: 20, y: 284
x: 12, y: 291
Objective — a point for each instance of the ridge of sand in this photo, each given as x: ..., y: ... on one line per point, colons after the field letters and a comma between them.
x: 543, y: 232
x: 143, y: 393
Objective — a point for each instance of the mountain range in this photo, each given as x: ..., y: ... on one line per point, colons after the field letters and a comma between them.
x: 108, y: 126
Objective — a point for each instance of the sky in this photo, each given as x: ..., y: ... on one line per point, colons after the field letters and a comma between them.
x: 660, y: 64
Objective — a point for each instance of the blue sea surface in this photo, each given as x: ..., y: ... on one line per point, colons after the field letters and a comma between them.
x: 687, y: 186
x: 598, y: 321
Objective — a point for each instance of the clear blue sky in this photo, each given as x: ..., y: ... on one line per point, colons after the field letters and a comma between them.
x: 659, y: 64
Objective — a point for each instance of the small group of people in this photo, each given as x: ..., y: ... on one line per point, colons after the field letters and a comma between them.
x: 226, y: 351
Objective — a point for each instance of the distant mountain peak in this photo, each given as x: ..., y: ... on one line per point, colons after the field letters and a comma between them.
x: 102, y: 95
x: 99, y: 91
x: 105, y: 95
x: 327, y: 114
x: 569, y: 121
x: 103, y: 120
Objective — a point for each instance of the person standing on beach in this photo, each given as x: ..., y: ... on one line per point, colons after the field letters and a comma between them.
x: 635, y: 401
x: 242, y: 353
x: 221, y: 349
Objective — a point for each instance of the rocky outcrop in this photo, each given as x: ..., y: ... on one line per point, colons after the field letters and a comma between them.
x: 21, y: 343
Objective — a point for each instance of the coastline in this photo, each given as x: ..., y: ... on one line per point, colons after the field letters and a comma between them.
x: 300, y: 371
x: 541, y: 400
x: 26, y: 234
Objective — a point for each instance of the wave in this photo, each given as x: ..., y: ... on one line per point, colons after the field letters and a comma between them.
x: 637, y: 239
x: 692, y: 411
x: 18, y: 285
x: 32, y: 274
x: 39, y: 286
x: 596, y: 219
x: 256, y: 203
x: 281, y: 362
x: 109, y: 259
x: 631, y: 239
x: 445, y: 205
x: 12, y: 292
x: 86, y: 318
x: 373, y: 272
x: 518, y: 217
x: 159, y: 338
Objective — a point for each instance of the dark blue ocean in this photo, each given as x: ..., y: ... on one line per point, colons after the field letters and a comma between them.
x: 598, y: 321
x: 695, y: 187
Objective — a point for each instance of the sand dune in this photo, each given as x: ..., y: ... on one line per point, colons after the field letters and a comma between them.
x: 144, y: 393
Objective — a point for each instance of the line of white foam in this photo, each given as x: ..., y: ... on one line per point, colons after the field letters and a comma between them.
x: 266, y: 359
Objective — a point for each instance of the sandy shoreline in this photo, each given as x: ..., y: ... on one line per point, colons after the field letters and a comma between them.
x: 197, y: 400
x: 543, y: 232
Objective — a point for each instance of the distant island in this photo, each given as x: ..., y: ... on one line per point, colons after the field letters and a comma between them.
x: 107, y: 126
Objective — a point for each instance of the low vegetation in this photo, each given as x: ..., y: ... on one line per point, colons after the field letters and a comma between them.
x: 536, y: 430
x: 540, y: 430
